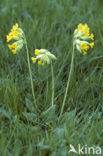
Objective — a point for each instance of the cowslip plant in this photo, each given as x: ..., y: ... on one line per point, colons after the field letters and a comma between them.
x: 81, y: 40
x: 18, y: 40
x: 44, y: 57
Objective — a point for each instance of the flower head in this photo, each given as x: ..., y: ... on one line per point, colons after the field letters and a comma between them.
x: 81, y: 37
x: 43, y: 57
x: 16, y: 34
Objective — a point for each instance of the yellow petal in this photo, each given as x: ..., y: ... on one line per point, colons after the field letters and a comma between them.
x: 14, y: 51
x: 39, y: 62
x: 43, y: 64
x: 85, y: 53
x: 33, y: 59
x: 92, y: 44
x: 92, y: 36
x: 10, y: 46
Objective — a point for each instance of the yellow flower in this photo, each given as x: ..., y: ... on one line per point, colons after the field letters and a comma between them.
x: 80, y: 26
x: 86, y: 32
x: 92, y: 36
x: 43, y: 64
x: 10, y: 46
x: 84, y: 46
x: 14, y: 45
x: 33, y: 59
x: 9, y: 38
x: 11, y: 34
x: 15, y: 27
x: 36, y: 51
x: 84, y: 28
x: 85, y: 53
x: 14, y: 51
x: 92, y: 44
x: 39, y: 62
x: 15, y: 33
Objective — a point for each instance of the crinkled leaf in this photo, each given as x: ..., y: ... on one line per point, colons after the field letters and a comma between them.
x: 68, y: 116
x: 42, y: 146
x: 4, y: 113
x: 49, y: 114
x: 29, y: 105
x: 30, y: 116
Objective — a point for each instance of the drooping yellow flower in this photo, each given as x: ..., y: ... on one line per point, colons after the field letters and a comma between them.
x: 86, y: 32
x: 15, y: 33
x: 15, y: 27
x: 14, y: 45
x: 84, y: 46
x: 33, y: 59
x: 39, y: 62
x: 92, y: 36
x: 81, y: 37
x: 37, y: 52
x: 92, y: 44
x: 84, y: 53
x: 18, y: 35
x: 80, y: 26
x: 10, y: 46
x: 14, y: 51
x: 9, y: 38
x: 43, y: 64
x: 84, y: 29
x: 43, y: 56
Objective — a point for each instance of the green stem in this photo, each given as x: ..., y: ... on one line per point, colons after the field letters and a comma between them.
x: 52, y: 84
x: 30, y: 73
x: 68, y: 82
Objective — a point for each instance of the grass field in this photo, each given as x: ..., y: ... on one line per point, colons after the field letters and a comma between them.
x: 50, y: 24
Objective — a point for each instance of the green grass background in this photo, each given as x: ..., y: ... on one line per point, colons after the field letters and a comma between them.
x: 50, y: 24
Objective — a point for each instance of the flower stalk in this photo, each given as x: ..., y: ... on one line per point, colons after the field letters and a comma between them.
x: 52, y: 71
x: 68, y: 82
x: 30, y: 73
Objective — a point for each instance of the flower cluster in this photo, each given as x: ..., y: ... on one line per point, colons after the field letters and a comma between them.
x: 16, y: 34
x: 43, y: 56
x: 81, y: 37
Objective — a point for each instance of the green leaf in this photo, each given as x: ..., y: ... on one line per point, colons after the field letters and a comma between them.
x: 42, y: 146
x: 49, y: 114
x: 68, y: 116
x: 5, y: 113
x: 30, y: 116
x: 29, y: 105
